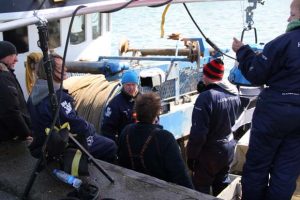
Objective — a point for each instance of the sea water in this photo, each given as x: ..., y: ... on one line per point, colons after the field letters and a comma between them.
x: 220, y: 22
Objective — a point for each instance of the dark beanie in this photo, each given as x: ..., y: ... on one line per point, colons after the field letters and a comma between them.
x: 6, y: 49
x: 214, y: 70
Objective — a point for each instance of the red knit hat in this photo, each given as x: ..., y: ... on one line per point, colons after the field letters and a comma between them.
x: 214, y: 70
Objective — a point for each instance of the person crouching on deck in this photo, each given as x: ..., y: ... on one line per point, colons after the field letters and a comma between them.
x: 210, y: 147
x: 41, y: 112
x: 147, y: 148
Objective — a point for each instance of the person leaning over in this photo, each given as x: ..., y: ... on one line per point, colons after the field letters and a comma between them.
x: 118, y: 112
x: 15, y: 120
x: 41, y: 112
x: 210, y: 147
x: 147, y: 148
x: 273, y: 159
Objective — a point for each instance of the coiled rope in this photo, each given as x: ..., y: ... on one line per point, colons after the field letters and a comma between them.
x: 91, y: 93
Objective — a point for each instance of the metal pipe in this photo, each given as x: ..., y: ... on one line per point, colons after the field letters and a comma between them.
x: 86, y: 67
x: 162, y: 52
x: 144, y: 58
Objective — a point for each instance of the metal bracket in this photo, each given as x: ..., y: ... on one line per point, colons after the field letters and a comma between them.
x: 249, y: 12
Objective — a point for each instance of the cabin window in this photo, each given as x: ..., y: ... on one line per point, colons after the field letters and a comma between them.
x: 108, y: 22
x: 19, y: 37
x: 96, y: 25
x: 54, y: 34
x: 78, y: 30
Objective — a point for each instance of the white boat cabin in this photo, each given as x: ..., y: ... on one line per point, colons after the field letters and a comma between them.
x: 90, y: 37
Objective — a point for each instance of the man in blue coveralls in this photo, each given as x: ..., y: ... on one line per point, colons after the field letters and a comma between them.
x: 118, y: 112
x: 210, y: 148
x: 273, y: 158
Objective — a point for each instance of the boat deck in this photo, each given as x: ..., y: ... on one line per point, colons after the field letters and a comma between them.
x: 17, y: 165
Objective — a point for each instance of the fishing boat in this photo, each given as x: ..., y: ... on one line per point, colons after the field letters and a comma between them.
x: 175, y: 75
x: 92, y: 26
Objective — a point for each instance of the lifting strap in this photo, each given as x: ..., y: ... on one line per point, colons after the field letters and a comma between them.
x: 141, y: 154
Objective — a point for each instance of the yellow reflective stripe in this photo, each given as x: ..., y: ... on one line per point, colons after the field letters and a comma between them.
x: 75, y: 163
x: 47, y: 130
x: 65, y: 125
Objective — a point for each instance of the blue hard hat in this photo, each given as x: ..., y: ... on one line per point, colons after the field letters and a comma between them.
x: 130, y: 77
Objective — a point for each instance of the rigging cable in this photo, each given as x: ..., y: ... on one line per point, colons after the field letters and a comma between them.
x: 161, y: 4
x: 56, y: 115
x: 242, y: 9
x: 64, y: 59
x: 41, y: 5
x: 214, y: 46
x: 120, y: 8
x: 60, y: 96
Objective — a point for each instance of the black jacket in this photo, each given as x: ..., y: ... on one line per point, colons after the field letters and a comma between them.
x: 14, y: 117
x: 162, y: 157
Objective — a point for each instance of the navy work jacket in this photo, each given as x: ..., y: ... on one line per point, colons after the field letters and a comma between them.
x: 41, y: 112
x: 214, y: 114
x: 118, y: 114
x: 277, y: 66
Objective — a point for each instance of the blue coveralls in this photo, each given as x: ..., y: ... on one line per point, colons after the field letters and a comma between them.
x: 41, y: 114
x: 273, y: 159
x: 118, y: 114
x: 211, y: 144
